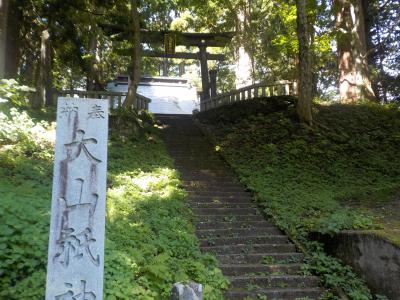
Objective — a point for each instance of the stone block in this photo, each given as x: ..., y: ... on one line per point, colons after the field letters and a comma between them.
x: 76, y: 242
x: 186, y: 291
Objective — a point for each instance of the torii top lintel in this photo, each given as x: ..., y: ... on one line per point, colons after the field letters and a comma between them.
x: 218, y: 39
x: 188, y: 39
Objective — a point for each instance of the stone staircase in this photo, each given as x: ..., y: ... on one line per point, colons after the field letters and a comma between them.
x: 257, y: 258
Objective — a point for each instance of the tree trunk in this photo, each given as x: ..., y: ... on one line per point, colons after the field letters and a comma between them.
x: 243, y: 65
x: 47, y: 60
x: 136, y: 56
x: 94, y: 76
x: 27, y: 70
x: 354, y: 78
x: 3, y: 35
x: 181, y: 69
x: 305, y: 35
x: 13, y: 40
x: 36, y: 101
x: 44, y: 95
x: 165, y: 67
x: 368, y: 13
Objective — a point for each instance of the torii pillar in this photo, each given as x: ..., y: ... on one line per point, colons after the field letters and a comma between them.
x: 213, y: 82
x: 205, y: 82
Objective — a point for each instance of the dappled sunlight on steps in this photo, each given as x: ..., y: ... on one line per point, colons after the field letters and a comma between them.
x: 257, y: 258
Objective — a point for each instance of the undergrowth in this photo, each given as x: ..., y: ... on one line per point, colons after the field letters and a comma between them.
x: 148, y: 230
x: 150, y: 242
x: 305, y: 177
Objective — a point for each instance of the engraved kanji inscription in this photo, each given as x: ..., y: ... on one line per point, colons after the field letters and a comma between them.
x: 76, y: 233
x: 67, y: 109
x: 82, y: 294
x: 96, y: 112
x: 75, y: 148
x: 78, y: 155
x: 77, y: 210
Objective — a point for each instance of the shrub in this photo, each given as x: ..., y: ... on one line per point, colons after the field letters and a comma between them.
x: 11, y: 91
x: 18, y: 128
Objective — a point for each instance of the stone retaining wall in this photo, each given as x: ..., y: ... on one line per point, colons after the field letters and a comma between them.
x: 375, y: 259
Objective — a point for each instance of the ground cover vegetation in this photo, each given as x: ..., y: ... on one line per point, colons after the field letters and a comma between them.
x: 339, y: 173
x: 150, y: 242
x: 342, y: 173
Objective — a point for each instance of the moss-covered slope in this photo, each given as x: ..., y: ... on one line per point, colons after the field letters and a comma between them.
x: 342, y: 173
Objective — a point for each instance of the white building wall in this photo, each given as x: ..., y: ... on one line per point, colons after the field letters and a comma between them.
x: 166, y: 98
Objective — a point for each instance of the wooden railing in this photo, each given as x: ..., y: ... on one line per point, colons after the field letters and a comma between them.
x: 278, y: 88
x: 116, y: 98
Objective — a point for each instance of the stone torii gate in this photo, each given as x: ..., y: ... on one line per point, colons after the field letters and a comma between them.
x: 200, y: 40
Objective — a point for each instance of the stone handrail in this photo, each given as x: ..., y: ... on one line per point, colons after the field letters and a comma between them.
x: 277, y: 88
x: 116, y: 99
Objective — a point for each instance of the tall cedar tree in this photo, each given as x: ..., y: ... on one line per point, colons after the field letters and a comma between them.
x: 305, y: 35
x: 13, y: 39
x: 44, y: 80
x: 136, y: 56
x: 3, y: 34
x: 354, y: 77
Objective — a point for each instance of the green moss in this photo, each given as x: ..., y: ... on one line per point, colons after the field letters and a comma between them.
x: 150, y: 242
x: 333, y: 176
x: 313, y: 179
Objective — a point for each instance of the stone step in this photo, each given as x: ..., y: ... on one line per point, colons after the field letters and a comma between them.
x: 261, y: 258
x: 187, y: 151
x: 236, y: 232
x: 178, y: 140
x: 200, y: 165
x: 196, y: 158
x: 186, y: 176
x: 201, y: 154
x: 209, y: 164
x: 193, y: 157
x: 219, y: 188
x: 205, y: 174
x: 275, y: 293
x: 260, y: 269
x: 223, y: 205
x: 267, y: 239
x: 229, y: 218
x: 220, y: 194
x: 193, y: 166
x: 226, y: 211
x: 220, y: 199
x: 212, y: 183
x: 182, y: 141
x: 255, y: 248
x: 198, y: 140
x: 190, y: 153
x: 188, y: 143
x: 227, y: 225
x: 269, y: 281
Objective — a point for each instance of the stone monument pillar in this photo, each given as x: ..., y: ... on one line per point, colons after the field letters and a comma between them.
x: 76, y: 242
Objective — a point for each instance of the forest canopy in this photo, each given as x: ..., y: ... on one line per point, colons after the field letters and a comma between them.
x: 354, y: 44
